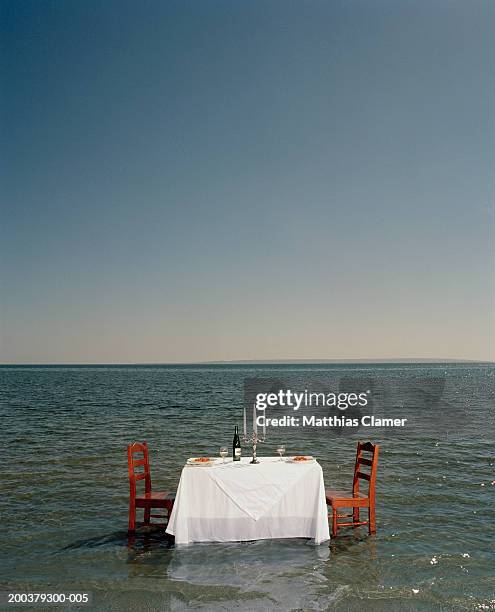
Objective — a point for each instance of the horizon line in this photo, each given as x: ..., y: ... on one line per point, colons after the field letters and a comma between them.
x: 382, y: 360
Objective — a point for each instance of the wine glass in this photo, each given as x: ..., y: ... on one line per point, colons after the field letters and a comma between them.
x: 224, y: 451
x: 281, y: 450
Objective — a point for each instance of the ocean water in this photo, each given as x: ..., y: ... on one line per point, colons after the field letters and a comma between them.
x: 64, y: 490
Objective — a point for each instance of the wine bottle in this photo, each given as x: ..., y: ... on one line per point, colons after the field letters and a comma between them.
x: 236, y: 446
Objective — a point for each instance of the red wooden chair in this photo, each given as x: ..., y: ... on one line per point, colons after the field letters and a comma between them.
x: 148, y: 499
x: 356, y: 499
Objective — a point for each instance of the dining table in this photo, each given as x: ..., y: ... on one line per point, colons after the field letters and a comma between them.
x: 235, y: 501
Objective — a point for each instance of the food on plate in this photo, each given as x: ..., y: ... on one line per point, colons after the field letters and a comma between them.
x: 301, y: 458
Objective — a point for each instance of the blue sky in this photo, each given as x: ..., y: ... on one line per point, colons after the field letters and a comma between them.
x: 187, y: 181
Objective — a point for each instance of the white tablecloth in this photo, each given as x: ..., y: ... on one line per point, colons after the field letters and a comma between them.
x: 239, y: 502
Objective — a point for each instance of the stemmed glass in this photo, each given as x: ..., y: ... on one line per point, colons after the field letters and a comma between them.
x: 281, y: 450
x: 224, y: 451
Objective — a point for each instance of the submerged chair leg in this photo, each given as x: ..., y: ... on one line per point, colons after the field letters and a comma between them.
x: 132, y: 518
x: 355, y: 516
x: 334, y: 522
x: 147, y: 516
x: 371, y: 520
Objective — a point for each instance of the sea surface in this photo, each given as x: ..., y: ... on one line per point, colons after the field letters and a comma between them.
x: 64, y: 489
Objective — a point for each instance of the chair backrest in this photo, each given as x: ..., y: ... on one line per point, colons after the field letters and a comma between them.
x: 133, y: 462
x: 366, y: 457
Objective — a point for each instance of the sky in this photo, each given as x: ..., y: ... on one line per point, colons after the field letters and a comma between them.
x: 217, y: 180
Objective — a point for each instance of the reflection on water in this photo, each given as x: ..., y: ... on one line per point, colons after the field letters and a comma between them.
x: 66, y: 431
x: 284, y: 572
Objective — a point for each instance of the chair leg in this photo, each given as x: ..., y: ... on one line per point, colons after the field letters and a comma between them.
x: 371, y: 520
x: 132, y: 518
x: 355, y: 516
x: 147, y: 516
x: 334, y: 522
x: 131, y: 539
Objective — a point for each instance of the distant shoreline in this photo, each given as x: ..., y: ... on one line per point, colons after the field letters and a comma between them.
x: 345, y: 361
x: 248, y: 362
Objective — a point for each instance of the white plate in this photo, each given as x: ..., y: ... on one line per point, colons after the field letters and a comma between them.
x: 192, y: 461
x: 309, y: 459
